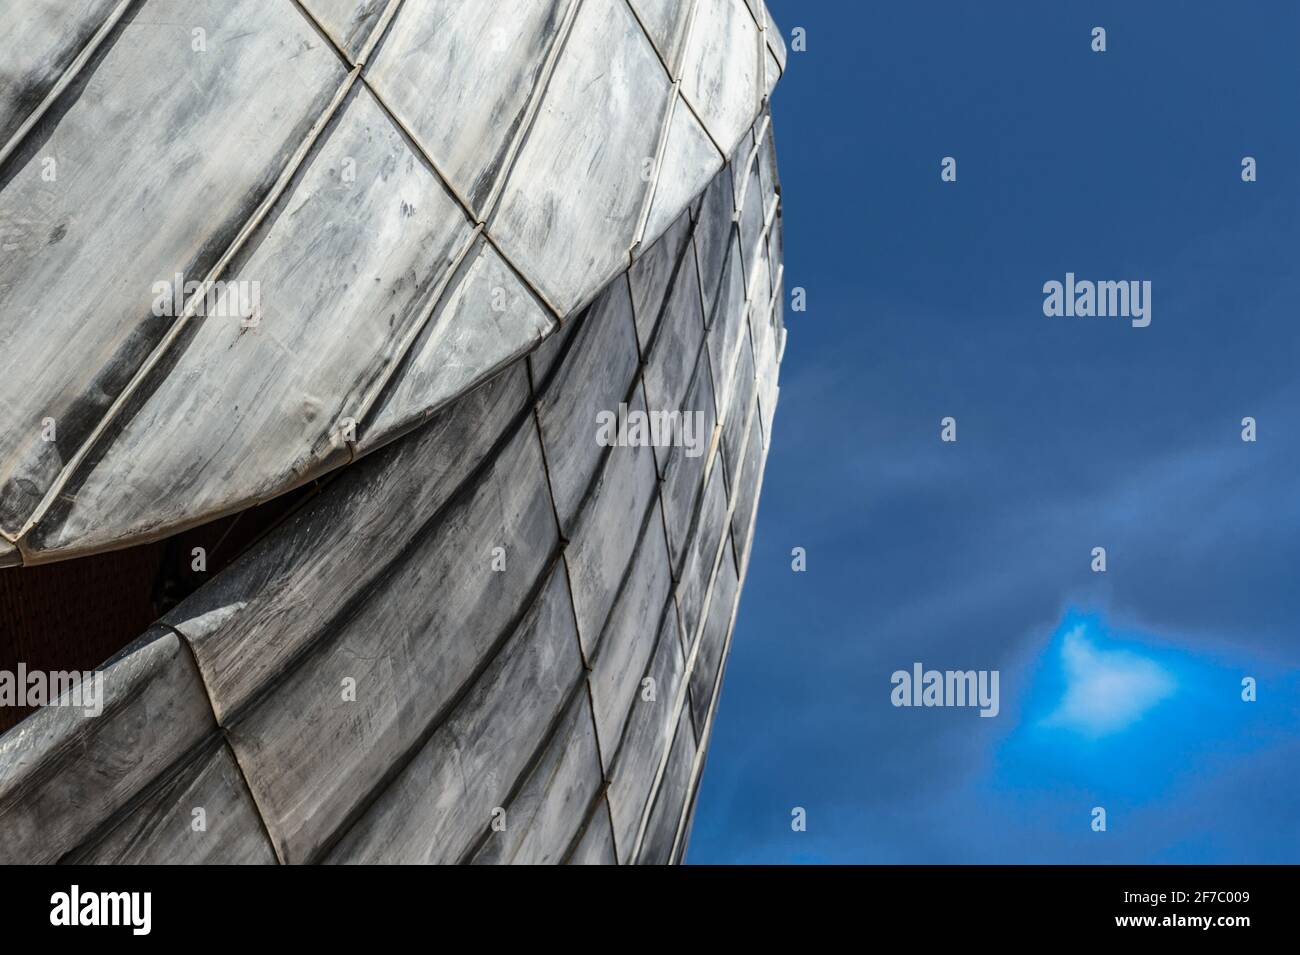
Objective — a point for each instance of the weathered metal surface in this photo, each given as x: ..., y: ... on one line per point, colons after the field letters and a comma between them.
x: 201, y: 815
x: 122, y: 208
x: 487, y: 318
x: 739, y: 404
x: 727, y: 320
x: 751, y: 223
x: 670, y: 799
x: 460, y: 76
x: 574, y: 246
x: 597, y: 372
x: 601, y: 539
x: 445, y: 799
x: 541, y: 819
x: 713, y: 237
x: 679, y: 336
x: 314, y: 752
x: 297, y: 582
x: 492, y: 636
x: 721, y: 74
x: 647, y: 734
x: 765, y: 362
x: 243, y: 409
x: 749, y: 458
x: 348, y: 23
x: 63, y: 773
x: 596, y: 844
x: 557, y: 122
x: 775, y: 42
x: 689, y: 161
x: 651, y: 278
x: 44, y: 41
x: 705, y: 537
x: 666, y: 21
x: 682, y: 466
x: 619, y: 660
x: 713, y: 635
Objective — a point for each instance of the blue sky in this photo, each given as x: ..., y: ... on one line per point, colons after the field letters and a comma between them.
x: 1120, y: 690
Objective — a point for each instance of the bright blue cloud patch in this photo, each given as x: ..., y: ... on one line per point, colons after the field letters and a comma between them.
x: 1130, y: 718
x: 1107, y: 690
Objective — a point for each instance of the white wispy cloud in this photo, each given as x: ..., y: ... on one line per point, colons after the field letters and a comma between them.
x: 1106, y: 690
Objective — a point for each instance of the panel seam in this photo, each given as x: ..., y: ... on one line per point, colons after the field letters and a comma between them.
x: 66, y: 79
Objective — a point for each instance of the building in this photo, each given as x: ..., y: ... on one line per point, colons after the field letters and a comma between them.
x: 352, y: 283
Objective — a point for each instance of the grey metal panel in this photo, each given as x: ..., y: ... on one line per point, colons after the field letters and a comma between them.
x: 546, y: 356
x: 745, y: 489
x: 184, y: 136
x: 768, y: 395
x: 739, y: 405
x: 775, y: 42
x: 727, y: 322
x: 713, y: 638
x: 666, y: 22
x: 682, y: 468
x: 689, y: 162
x: 742, y: 553
x: 651, y: 277
x: 249, y: 624
x: 767, y: 169
x: 743, y: 514
x: 721, y: 70
x: 740, y: 166
x: 601, y: 115
x: 460, y: 75
x: 596, y: 374
x: 43, y: 39
x: 761, y: 326
x: 311, y: 755
x: 693, y: 800
x: 240, y: 414
x: 443, y: 799
x: 695, y: 206
x: 760, y: 295
x: 706, y: 537
x: 776, y: 259
x: 602, y: 536
x: 670, y: 800
x: 618, y: 662
x: 163, y: 828
x: 62, y: 773
x: 775, y: 244
x: 771, y: 71
x: 751, y: 222
x: 765, y: 362
x: 349, y: 23
x: 713, y: 236
x: 647, y: 736
x: 486, y: 319
x: 596, y: 845
x: 386, y: 575
x: 563, y: 110
x: 677, y: 341
x: 543, y: 817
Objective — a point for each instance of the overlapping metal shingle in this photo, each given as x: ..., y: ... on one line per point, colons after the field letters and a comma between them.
x: 446, y: 236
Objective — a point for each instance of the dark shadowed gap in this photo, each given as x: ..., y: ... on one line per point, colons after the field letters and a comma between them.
x: 75, y: 614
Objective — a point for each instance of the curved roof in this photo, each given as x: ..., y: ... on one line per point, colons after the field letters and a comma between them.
x: 235, y: 260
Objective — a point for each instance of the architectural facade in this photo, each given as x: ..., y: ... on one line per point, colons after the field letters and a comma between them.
x: 374, y: 278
